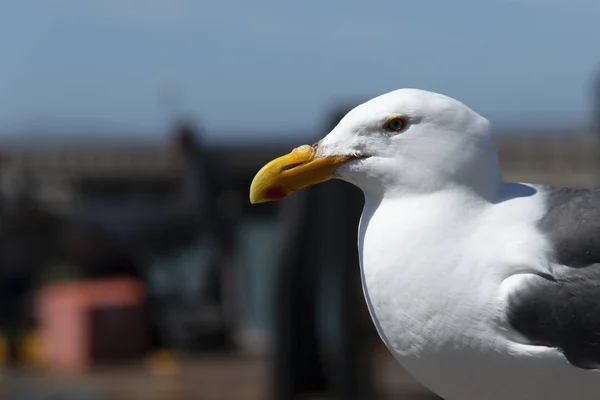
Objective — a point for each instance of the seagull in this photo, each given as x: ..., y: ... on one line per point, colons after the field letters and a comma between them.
x: 481, y: 288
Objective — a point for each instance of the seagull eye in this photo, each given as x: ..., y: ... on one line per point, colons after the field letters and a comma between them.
x: 395, y: 124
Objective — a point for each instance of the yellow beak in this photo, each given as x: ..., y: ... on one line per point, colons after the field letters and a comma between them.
x: 292, y: 172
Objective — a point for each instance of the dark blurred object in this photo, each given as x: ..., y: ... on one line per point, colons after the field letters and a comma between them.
x: 318, y: 232
x: 200, y: 316
x: 205, y: 182
x: 29, y: 240
x: 98, y: 254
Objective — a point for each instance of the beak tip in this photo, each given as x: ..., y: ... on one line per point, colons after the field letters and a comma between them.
x: 254, y: 200
x: 254, y: 197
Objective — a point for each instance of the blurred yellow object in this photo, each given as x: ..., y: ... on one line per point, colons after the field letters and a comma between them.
x: 4, y: 350
x: 165, y: 363
x: 31, y: 348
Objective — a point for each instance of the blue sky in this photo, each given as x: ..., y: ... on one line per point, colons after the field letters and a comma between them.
x: 277, y: 66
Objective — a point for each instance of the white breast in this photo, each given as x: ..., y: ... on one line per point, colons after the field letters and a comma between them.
x: 413, y: 262
x: 432, y: 270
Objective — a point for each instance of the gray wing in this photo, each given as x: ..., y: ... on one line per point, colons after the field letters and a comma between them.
x: 562, y: 310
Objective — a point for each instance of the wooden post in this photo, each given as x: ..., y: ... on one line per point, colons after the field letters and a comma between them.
x: 297, y: 362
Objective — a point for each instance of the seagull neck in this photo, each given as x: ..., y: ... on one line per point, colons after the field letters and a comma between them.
x: 482, y: 187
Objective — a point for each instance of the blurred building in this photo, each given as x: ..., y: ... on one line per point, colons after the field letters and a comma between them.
x: 554, y: 158
x: 70, y: 177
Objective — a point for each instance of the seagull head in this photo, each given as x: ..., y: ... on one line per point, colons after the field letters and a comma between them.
x: 403, y: 142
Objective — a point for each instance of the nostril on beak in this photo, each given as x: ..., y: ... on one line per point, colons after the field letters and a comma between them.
x: 291, y: 166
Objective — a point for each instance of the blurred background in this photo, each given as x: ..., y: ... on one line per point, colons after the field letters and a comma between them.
x: 132, y: 265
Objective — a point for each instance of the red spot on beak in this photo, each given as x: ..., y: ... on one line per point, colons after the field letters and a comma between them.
x: 276, y: 192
